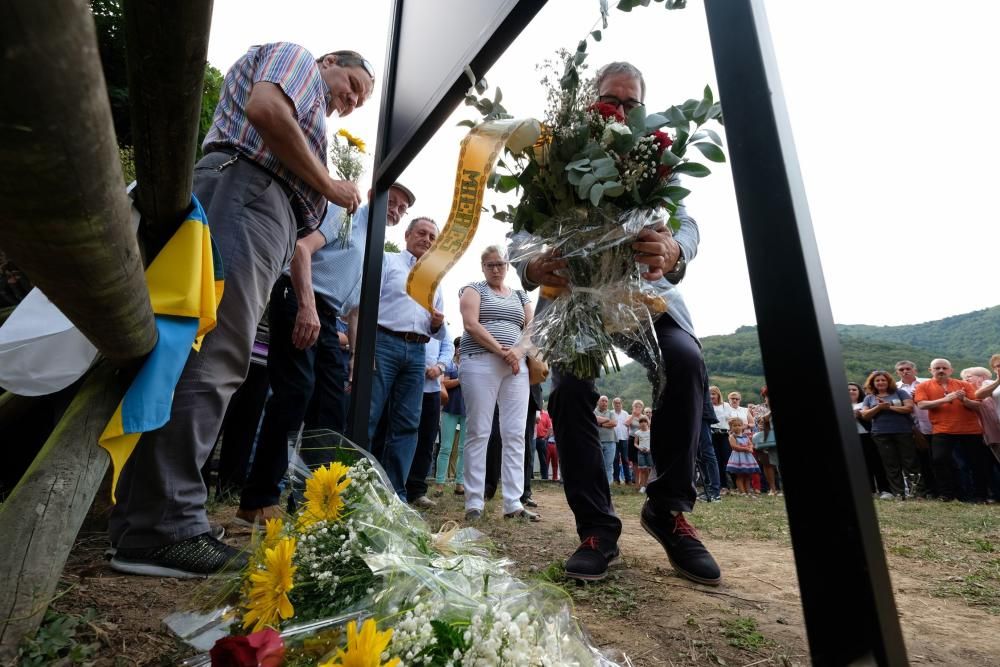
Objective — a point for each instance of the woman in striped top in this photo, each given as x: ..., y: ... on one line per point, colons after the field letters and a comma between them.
x: 493, y: 373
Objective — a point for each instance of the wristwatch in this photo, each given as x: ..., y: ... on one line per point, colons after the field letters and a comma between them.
x: 680, y: 268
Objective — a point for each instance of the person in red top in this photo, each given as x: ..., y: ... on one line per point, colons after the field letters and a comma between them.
x: 543, y: 428
x: 955, y: 429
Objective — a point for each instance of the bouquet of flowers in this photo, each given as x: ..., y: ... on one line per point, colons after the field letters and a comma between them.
x: 355, y: 577
x: 594, y: 179
x: 346, y: 155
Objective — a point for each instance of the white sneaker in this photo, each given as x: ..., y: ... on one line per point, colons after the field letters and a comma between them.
x: 642, y: 489
x: 886, y: 496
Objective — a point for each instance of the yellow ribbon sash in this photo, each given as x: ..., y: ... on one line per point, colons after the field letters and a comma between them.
x: 479, y: 151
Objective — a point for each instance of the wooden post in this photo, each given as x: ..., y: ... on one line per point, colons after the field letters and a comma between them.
x: 44, y: 512
x: 167, y: 50
x: 63, y: 220
x: 64, y: 216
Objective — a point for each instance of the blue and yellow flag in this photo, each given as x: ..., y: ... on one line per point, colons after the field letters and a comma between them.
x: 185, y: 286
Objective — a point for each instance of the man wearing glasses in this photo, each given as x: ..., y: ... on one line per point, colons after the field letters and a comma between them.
x: 305, y: 363
x: 676, y: 430
x: 263, y: 177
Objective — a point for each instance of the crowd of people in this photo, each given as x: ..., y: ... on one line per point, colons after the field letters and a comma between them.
x: 460, y: 408
x: 931, y: 438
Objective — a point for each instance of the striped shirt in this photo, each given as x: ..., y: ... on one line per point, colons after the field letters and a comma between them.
x: 295, y: 71
x: 336, y: 267
x: 502, y: 316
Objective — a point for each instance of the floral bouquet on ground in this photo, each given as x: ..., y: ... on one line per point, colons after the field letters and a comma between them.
x: 594, y: 179
x: 353, y: 576
x: 346, y: 155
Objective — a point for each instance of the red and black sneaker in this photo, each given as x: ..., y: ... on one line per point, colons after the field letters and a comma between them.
x: 590, y: 561
x: 684, y: 548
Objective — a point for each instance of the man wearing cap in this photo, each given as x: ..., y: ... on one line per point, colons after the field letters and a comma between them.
x: 263, y: 178
x: 305, y: 361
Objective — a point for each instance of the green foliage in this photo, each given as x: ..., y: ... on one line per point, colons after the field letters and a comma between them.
x: 734, y: 360
x: 742, y: 633
x: 974, y: 335
x: 109, y: 21
x: 62, y: 639
x: 209, y: 100
x: 127, y: 155
x: 390, y: 247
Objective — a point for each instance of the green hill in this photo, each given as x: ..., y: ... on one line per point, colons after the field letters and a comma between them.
x: 974, y: 335
x: 734, y: 361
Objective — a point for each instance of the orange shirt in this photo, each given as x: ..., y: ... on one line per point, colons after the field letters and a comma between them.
x: 954, y: 417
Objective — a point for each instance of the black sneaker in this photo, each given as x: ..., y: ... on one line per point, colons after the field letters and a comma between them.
x: 589, y: 562
x: 216, y: 530
x: 684, y: 549
x: 195, y: 557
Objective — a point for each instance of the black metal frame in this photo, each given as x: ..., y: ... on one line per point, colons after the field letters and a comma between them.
x: 847, y: 597
x: 847, y: 600
x: 391, y: 161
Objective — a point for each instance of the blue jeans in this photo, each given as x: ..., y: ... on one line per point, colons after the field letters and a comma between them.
x: 707, y: 462
x: 399, y: 381
x: 609, y: 449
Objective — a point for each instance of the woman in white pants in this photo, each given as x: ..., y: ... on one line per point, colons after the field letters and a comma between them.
x: 493, y: 373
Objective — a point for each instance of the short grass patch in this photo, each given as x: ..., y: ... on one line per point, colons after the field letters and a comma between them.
x: 742, y: 633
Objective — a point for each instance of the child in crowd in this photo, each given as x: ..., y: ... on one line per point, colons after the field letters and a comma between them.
x: 645, y: 458
x: 742, y: 463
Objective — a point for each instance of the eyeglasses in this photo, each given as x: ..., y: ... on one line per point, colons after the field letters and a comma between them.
x: 494, y: 266
x: 626, y: 105
x: 368, y: 68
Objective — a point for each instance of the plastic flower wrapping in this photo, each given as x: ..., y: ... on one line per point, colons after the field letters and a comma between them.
x: 354, y: 577
x: 600, y: 172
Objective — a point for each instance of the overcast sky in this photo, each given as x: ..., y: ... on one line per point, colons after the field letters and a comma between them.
x: 886, y: 102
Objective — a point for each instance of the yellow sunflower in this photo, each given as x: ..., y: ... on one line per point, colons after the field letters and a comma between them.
x: 352, y: 140
x: 272, y: 533
x: 364, y: 649
x: 323, y: 489
x: 269, y: 587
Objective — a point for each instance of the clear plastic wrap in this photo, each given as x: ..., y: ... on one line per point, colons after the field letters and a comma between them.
x: 356, y: 552
x: 608, y: 304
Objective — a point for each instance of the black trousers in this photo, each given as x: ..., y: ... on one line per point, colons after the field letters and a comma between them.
x: 239, y: 429
x: 494, y: 452
x: 676, y: 428
x: 878, y: 481
x: 529, y: 457
x: 295, y: 376
x: 720, y: 443
x: 542, y: 449
x: 427, y: 433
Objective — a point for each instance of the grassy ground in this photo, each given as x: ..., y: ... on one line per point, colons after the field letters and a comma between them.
x: 944, y: 560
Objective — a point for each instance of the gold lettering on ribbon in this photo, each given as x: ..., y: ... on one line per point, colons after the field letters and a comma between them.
x: 477, y: 155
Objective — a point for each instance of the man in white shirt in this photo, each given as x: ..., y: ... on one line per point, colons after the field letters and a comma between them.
x: 908, y: 381
x: 624, y: 473
x: 404, y: 327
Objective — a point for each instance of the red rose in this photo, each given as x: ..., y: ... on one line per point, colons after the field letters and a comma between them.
x: 607, y: 111
x: 663, y: 140
x: 259, y: 649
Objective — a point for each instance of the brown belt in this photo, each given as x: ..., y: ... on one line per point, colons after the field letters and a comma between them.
x: 408, y: 336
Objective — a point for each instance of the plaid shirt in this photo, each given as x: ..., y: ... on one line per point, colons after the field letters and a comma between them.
x: 294, y: 70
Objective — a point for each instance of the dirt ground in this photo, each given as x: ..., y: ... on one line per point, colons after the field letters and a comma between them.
x: 642, y: 609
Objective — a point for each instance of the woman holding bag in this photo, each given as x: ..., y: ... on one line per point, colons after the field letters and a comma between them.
x: 493, y: 374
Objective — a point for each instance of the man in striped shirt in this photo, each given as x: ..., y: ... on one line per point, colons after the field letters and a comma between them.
x: 305, y: 361
x: 263, y: 177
